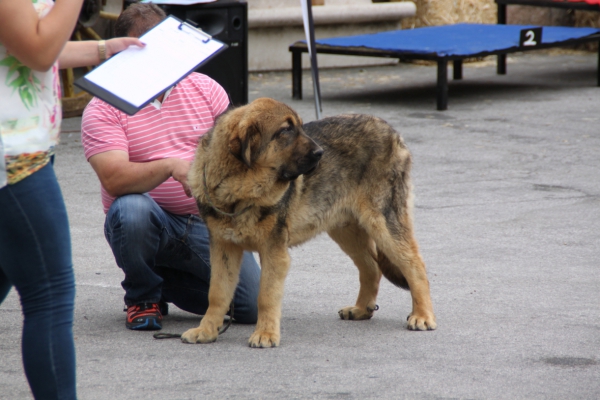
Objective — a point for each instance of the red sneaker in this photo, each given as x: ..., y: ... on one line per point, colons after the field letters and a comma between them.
x: 144, y: 317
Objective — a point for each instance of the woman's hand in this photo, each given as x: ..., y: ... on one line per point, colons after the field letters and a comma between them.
x: 116, y: 45
x: 85, y: 53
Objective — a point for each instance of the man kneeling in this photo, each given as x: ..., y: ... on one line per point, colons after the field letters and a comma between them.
x: 152, y: 225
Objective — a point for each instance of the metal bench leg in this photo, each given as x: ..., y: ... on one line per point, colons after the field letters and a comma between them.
x: 457, y: 69
x: 501, y: 65
x: 442, y: 84
x: 296, y: 75
x: 598, y: 67
x: 502, y: 14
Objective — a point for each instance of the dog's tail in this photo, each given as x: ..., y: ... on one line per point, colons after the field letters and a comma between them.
x: 390, y: 271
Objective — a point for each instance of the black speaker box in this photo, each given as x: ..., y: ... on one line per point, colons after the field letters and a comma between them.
x: 226, y: 21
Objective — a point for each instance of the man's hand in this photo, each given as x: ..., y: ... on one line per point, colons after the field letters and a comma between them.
x: 179, y: 173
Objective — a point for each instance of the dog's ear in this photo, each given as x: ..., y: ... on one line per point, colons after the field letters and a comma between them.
x: 244, y: 144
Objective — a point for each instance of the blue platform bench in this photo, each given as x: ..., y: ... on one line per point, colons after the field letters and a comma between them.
x: 443, y: 44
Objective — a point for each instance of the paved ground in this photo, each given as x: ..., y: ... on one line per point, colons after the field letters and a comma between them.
x: 507, y: 209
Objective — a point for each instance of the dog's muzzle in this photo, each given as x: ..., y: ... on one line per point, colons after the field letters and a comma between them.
x: 305, y: 166
x: 309, y: 163
x: 314, y: 159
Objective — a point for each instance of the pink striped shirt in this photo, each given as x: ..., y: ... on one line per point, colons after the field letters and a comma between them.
x: 173, y: 130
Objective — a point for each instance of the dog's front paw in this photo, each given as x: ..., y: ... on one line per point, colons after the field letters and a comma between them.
x: 355, y: 313
x: 198, y: 335
x: 421, y: 322
x: 263, y: 339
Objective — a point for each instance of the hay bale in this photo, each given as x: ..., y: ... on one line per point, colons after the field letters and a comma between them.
x: 542, y: 16
x: 444, y: 12
x: 587, y: 19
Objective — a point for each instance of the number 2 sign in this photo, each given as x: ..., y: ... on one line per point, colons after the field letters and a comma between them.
x: 530, y: 37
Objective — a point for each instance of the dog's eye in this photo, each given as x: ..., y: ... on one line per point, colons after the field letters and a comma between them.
x: 283, y: 131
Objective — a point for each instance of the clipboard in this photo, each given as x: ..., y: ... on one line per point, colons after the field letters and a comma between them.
x: 133, y: 78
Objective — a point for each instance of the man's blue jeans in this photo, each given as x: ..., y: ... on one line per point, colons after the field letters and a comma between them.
x: 35, y: 258
x: 166, y: 256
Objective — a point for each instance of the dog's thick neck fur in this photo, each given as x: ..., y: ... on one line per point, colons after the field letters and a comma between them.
x: 231, y: 184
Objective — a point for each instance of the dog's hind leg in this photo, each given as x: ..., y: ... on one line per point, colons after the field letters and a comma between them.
x: 225, y: 262
x: 355, y: 242
x: 395, y: 239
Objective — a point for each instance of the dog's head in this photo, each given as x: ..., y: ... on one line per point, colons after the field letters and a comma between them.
x: 268, y: 134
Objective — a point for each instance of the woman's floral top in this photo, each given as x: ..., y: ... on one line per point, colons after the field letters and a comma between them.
x: 30, y: 113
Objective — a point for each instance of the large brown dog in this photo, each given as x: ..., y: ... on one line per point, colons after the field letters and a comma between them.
x: 264, y: 182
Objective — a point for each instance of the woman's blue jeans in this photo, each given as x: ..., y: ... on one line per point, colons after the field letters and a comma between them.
x: 35, y: 258
x: 166, y: 256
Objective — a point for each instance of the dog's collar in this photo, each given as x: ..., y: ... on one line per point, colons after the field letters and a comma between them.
x: 217, y: 209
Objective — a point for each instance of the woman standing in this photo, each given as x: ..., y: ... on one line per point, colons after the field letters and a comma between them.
x: 35, y: 244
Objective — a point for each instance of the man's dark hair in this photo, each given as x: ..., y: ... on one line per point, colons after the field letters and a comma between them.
x: 138, y: 19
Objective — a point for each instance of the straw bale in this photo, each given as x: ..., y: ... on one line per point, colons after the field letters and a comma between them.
x: 542, y: 16
x: 587, y: 18
x: 444, y: 12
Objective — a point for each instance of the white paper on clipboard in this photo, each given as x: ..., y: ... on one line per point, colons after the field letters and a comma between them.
x: 172, y: 50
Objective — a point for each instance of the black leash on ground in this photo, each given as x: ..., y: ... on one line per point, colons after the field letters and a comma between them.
x: 161, y: 335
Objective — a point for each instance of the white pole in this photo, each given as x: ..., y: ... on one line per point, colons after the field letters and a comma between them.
x: 309, y: 30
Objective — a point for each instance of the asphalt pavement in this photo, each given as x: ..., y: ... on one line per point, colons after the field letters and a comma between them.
x: 507, y: 185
